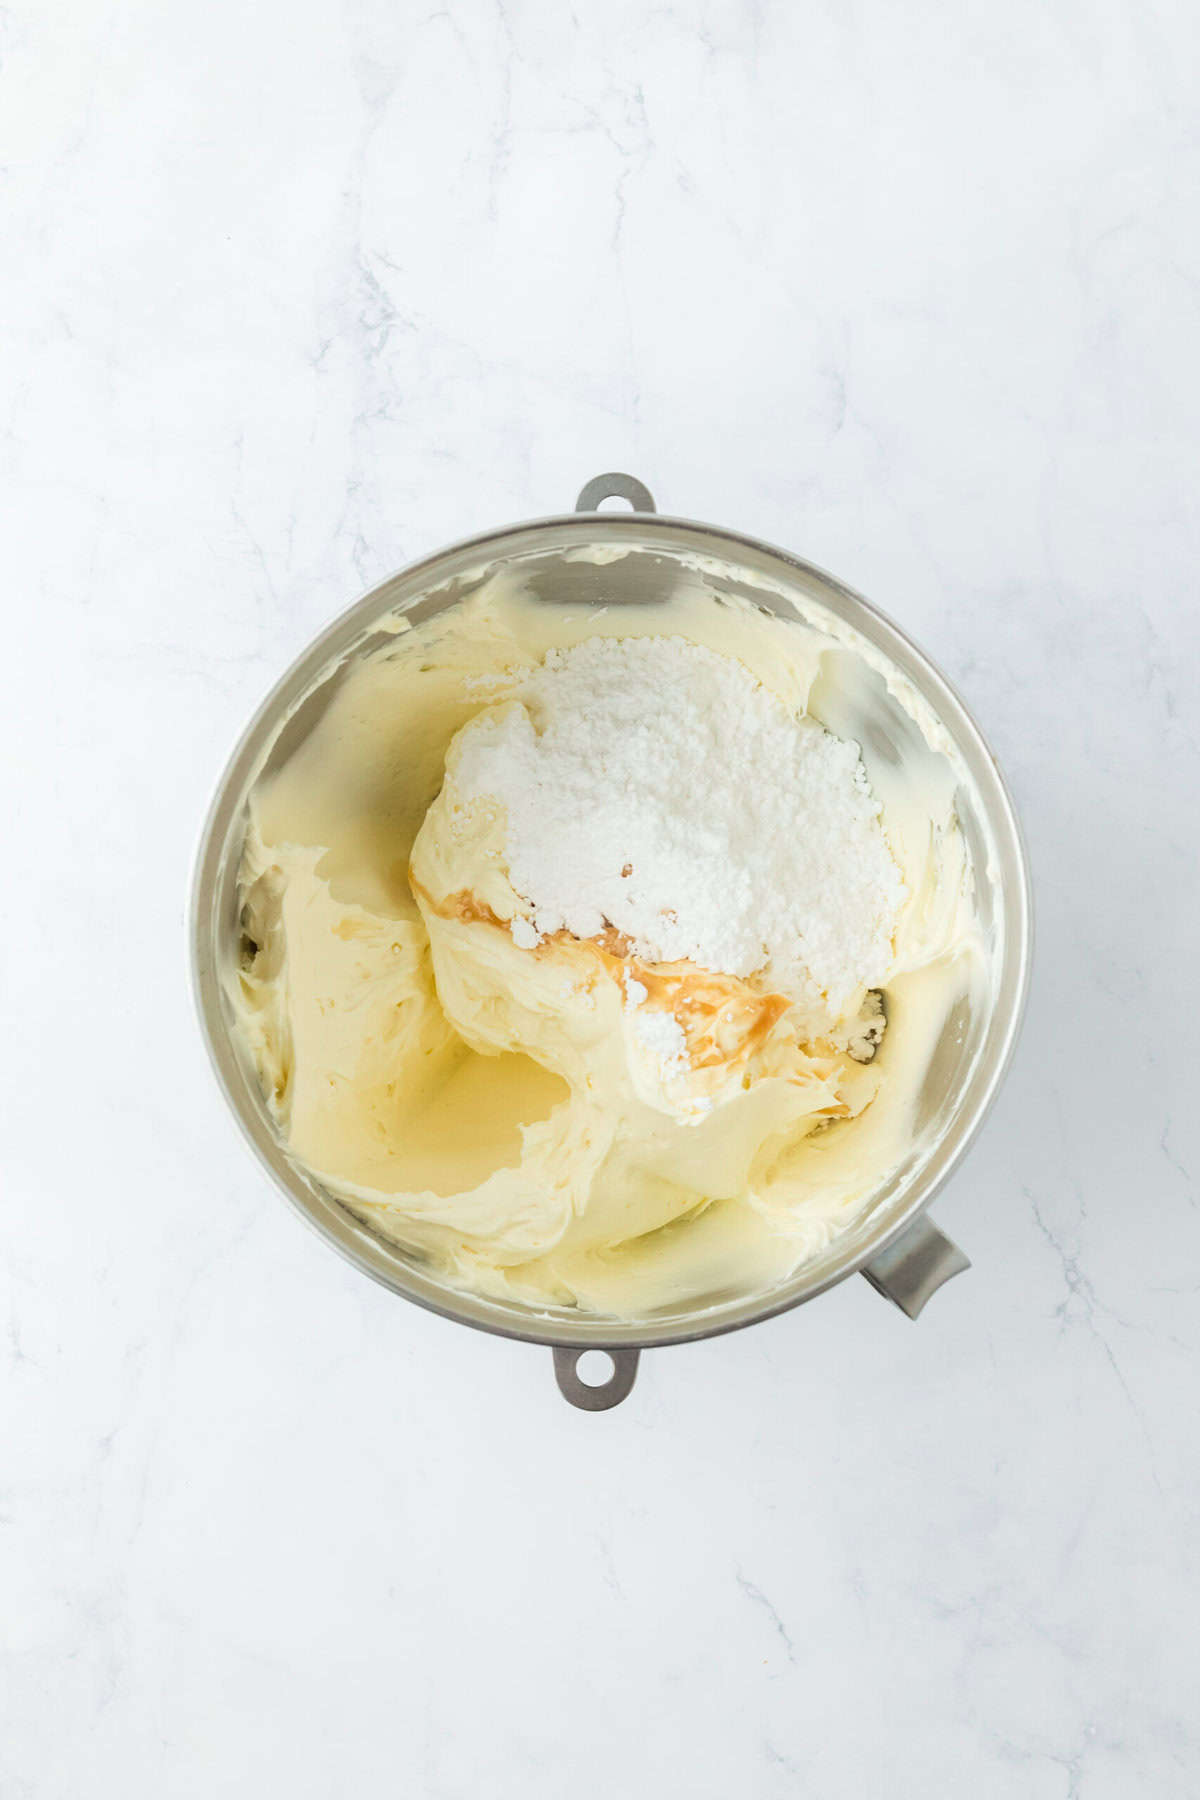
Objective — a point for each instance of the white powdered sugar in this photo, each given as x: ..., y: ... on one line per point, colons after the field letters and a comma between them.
x: 659, y: 1042
x: 661, y: 1038
x: 657, y: 787
x: 524, y: 935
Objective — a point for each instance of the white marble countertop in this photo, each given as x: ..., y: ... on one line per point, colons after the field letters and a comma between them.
x: 294, y: 294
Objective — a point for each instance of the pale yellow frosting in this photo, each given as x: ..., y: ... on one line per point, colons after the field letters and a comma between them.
x: 494, y: 1107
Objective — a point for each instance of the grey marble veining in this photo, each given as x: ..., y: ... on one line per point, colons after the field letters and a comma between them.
x: 293, y: 295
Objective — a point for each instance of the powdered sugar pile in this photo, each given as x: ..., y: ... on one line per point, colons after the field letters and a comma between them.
x: 656, y: 787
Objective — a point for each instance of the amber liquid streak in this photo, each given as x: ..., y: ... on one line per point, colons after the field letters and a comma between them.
x: 724, y: 1020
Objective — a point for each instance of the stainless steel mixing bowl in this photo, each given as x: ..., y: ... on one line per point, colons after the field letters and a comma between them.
x: 892, y: 1243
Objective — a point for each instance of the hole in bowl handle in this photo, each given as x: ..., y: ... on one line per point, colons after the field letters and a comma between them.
x: 615, y: 487
x: 915, y: 1266
x: 579, y: 1393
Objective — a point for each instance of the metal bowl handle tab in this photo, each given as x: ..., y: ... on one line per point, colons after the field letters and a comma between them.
x: 593, y: 493
x: 915, y: 1266
x: 580, y: 1393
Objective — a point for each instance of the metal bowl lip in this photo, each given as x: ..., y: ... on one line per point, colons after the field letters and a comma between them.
x: 1019, y: 930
